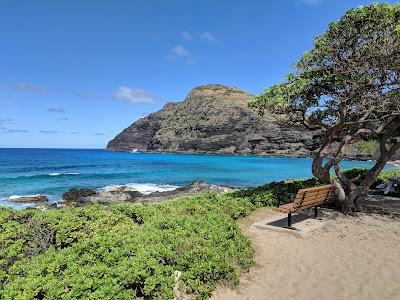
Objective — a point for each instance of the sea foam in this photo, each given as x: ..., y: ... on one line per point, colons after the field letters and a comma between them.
x: 144, y: 188
x: 22, y: 196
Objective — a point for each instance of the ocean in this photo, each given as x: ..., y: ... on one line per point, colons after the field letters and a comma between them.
x: 53, y: 171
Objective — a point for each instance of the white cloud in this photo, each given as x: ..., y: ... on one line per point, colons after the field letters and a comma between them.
x: 180, y: 51
x: 208, y: 37
x: 133, y: 95
x: 23, y: 86
x: 187, y: 36
x: 99, y: 133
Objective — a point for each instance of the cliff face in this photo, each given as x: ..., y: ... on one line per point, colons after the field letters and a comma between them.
x: 215, y: 119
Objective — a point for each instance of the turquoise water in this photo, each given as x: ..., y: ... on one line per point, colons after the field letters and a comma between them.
x: 53, y: 171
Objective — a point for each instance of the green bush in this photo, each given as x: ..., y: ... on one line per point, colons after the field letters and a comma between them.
x: 127, y: 250
x: 274, y: 193
x: 123, y: 250
x: 384, y: 176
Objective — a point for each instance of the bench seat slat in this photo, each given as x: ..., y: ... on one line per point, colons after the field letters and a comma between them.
x: 322, y: 187
x: 286, y: 208
x: 311, y: 205
x: 306, y: 198
x: 312, y: 193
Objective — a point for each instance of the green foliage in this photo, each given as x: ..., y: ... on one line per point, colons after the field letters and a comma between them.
x: 127, y: 250
x: 383, y: 177
x: 354, y: 172
x: 350, y: 58
x: 274, y: 193
x: 278, y: 96
x: 386, y: 175
x: 123, y: 250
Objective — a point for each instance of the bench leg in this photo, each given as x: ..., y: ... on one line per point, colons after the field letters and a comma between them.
x: 316, y: 212
x: 289, y: 220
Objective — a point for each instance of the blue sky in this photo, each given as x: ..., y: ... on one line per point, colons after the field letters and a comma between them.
x: 75, y: 73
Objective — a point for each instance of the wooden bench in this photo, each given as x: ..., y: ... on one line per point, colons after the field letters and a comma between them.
x: 306, y: 198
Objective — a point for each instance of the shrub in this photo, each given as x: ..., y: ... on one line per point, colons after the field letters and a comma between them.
x: 123, y: 250
x: 383, y: 177
x: 127, y: 250
x: 386, y: 175
x: 274, y: 193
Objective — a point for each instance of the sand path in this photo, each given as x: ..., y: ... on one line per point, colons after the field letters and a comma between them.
x: 350, y: 258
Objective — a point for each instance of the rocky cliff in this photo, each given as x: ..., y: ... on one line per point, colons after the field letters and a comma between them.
x: 215, y: 119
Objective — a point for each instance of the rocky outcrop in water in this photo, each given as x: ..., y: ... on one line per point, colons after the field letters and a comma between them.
x: 73, y: 195
x: 126, y: 194
x: 29, y: 199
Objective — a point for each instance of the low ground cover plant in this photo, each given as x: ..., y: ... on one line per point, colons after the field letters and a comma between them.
x: 124, y: 251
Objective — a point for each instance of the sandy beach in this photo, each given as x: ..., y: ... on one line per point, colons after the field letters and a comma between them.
x: 350, y: 258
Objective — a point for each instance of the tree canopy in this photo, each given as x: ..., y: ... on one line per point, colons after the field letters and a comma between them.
x: 347, y: 86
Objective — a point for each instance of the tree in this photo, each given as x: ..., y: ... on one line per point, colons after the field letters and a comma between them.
x: 347, y: 87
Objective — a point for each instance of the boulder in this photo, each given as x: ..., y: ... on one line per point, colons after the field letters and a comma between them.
x: 121, y: 194
x: 29, y: 199
x: 77, y: 195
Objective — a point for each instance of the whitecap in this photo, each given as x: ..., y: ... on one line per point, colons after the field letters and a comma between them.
x: 144, y: 188
x: 58, y: 174
x: 22, y: 196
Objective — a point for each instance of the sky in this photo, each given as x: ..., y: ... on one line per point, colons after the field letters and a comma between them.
x: 73, y: 74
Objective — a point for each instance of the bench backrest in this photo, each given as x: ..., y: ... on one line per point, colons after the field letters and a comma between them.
x: 310, y: 197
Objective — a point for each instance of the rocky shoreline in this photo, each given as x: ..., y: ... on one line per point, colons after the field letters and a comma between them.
x: 378, y: 200
x: 119, y: 194
x: 271, y: 155
x: 125, y: 194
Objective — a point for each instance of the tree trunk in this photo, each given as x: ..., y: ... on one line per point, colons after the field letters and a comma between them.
x: 353, y: 200
x: 348, y: 194
x: 350, y: 197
